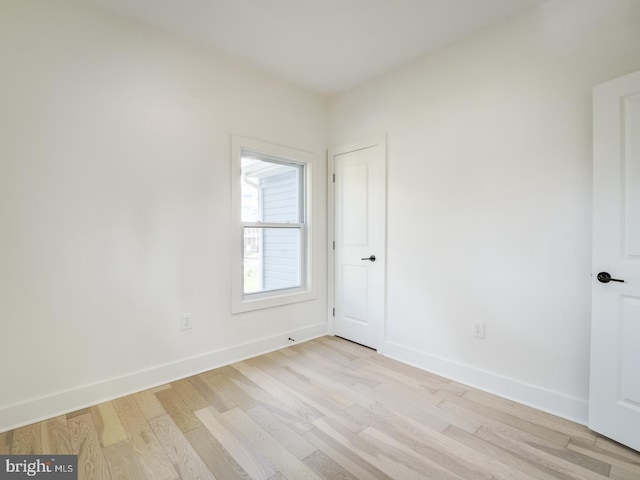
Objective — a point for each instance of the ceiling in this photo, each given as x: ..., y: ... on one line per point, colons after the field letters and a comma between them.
x: 326, y: 46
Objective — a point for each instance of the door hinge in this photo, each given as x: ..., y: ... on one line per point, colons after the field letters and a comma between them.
x: 334, y: 178
x: 334, y: 311
x: 334, y: 244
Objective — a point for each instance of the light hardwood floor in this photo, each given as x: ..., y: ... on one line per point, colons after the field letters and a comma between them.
x: 325, y: 409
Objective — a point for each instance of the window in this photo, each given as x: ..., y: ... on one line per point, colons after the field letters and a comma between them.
x: 273, y: 223
x: 271, y: 200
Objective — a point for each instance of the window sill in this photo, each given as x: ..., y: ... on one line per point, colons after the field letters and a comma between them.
x: 250, y: 303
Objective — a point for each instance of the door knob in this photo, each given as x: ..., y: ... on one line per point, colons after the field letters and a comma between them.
x: 371, y: 258
x: 604, y: 277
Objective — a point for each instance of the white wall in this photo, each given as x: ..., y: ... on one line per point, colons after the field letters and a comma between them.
x: 489, y: 197
x: 114, y: 206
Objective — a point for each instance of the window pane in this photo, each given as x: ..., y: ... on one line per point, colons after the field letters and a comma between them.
x: 270, y: 192
x: 271, y: 259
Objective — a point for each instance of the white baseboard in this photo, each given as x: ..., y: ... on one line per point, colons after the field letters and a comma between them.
x: 559, y: 404
x: 60, y: 403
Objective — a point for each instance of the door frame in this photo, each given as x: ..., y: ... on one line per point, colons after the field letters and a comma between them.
x: 378, y: 140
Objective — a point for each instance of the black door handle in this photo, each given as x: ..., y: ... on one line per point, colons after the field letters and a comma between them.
x: 371, y: 258
x: 604, y: 277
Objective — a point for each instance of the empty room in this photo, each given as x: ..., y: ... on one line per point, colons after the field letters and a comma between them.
x: 333, y: 239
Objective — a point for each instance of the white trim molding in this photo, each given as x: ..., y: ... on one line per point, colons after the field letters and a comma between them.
x: 49, y: 406
x: 556, y: 403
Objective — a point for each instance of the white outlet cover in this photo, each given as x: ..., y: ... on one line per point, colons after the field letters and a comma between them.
x: 186, y: 321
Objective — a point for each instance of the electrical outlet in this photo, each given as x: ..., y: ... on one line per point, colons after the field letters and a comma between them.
x: 185, y: 321
x: 478, y: 329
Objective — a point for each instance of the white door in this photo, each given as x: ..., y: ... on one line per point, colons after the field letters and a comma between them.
x: 359, y: 221
x: 614, y: 399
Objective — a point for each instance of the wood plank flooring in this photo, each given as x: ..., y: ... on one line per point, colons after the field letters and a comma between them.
x: 325, y: 409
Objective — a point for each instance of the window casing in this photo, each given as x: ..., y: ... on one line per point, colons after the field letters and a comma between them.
x: 271, y: 199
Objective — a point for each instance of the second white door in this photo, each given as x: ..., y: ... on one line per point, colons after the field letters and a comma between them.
x: 359, y: 230
x: 614, y: 397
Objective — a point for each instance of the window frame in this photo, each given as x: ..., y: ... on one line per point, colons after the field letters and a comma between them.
x: 242, y: 302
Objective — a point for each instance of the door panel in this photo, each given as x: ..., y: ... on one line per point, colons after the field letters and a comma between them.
x: 359, y: 194
x: 630, y: 352
x: 354, y: 299
x: 614, y: 396
x: 631, y: 158
x: 352, y: 192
